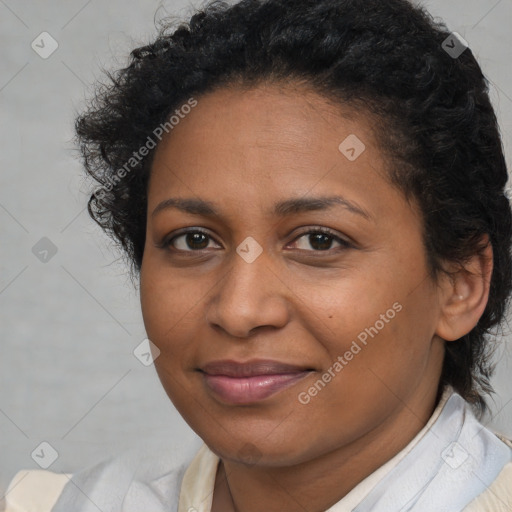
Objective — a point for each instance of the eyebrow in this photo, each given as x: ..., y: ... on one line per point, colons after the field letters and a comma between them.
x: 282, y: 209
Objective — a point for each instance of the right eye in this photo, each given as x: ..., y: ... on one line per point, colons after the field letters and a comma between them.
x: 190, y: 240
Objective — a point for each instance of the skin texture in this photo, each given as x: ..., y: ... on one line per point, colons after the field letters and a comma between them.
x: 245, y: 151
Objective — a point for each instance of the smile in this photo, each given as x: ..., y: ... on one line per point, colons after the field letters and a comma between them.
x: 245, y: 383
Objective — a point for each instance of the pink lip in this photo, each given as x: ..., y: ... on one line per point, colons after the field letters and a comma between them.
x: 244, y: 383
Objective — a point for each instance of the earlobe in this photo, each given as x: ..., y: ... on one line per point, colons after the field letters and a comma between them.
x: 464, y: 293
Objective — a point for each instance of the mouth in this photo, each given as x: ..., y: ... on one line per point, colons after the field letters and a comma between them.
x: 244, y: 383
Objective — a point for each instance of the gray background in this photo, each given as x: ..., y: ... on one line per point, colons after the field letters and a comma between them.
x: 69, y: 326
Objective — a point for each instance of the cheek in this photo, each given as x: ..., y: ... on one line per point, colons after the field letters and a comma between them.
x: 349, y: 306
x: 395, y: 345
x: 168, y: 319
x: 381, y: 322
x: 167, y: 304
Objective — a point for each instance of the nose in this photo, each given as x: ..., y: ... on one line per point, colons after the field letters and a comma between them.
x: 249, y: 297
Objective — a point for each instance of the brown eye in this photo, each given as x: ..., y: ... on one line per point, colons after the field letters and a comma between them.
x: 189, y: 241
x: 320, y: 240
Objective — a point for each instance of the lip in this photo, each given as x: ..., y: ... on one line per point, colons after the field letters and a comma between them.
x: 252, y: 381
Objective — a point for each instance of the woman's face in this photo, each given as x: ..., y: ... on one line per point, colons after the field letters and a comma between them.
x: 338, y: 329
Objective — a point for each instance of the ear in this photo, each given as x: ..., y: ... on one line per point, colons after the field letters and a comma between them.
x: 464, y: 293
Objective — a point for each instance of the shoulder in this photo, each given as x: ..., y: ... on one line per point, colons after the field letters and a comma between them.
x: 34, y: 490
x: 132, y: 481
x: 498, y: 496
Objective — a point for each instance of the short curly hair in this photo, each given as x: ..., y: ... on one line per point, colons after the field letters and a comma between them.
x: 436, y: 125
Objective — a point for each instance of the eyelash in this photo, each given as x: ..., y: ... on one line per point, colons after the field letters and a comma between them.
x: 167, y: 242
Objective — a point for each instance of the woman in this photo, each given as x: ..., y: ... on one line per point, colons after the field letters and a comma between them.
x: 312, y: 195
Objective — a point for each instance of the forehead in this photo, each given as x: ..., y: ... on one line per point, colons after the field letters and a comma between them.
x: 282, y: 118
x: 251, y: 147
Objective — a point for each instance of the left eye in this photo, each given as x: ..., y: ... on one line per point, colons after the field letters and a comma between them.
x: 321, y: 240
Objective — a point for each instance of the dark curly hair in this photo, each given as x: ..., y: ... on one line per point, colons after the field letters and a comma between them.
x: 436, y: 125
